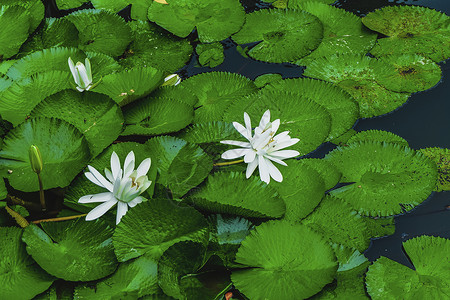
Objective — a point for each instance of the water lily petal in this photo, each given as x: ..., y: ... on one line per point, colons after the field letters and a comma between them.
x: 273, y: 171
x: 136, y: 201
x: 283, y: 154
x: 263, y: 169
x: 250, y: 156
x: 248, y: 124
x: 128, y: 165
x: 251, y: 167
x: 100, y: 210
x: 99, y: 179
x: 87, y: 63
x: 101, y: 197
x: 277, y: 160
x: 115, y: 164
x: 275, y: 126
x: 265, y: 119
x: 235, y: 153
x: 285, y: 144
x: 242, y: 130
x: 236, y: 143
x: 122, y: 209
x: 143, y: 167
x: 109, y: 175
x: 259, y: 141
x: 83, y: 75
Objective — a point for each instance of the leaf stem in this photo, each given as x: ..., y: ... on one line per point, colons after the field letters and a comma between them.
x: 58, y: 219
x: 13, y: 200
x: 41, y: 192
x: 228, y: 163
x: 21, y: 221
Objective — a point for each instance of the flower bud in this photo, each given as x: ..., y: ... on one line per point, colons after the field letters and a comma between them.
x: 35, y: 159
x: 172, y: 79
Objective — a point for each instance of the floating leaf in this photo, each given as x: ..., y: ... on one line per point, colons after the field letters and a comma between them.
x: 342, y: 107
x: 35, y: 9
x: 181, y: 165
x: 95, y: 115
x: 132, y: 279
x: 170, y: 224
x: 152, y: 116
x: 429, y: 280
x: 303, y: 118
x: 215, y: 20
x: 302, y: 189
x: 14, y: 21
x: 387, y: 179
x: 406, y: 20
x: 329, y: 173
x: 210, y: 132
x: 442, y: 159
x: 20, y: 276
x: 343, y: 32
x: 23, y: 95
x: 69, y: 4
x: 152, y: 46
x: 377, y: 136
x: 338, y: 221
x: 53, y: 33
x: 379, y: 227
x: 101, y: 31
x: 274, y: 268
x: 255, y: 198
x: 81, y: 186
x: 210, y: 55
x: 407, y: 73
x: 265, y: 79
x: 215, y: 91
x: 139, y: 8
x: 64, y: 150
x: 128, y: 85
x: 299, y: 4
x: 284, y: 35
x: 72, y: 250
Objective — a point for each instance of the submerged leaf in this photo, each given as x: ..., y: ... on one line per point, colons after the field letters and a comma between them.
x: 273, y: 267
x: 386, y: 179
x: 284, y: 35
x: 64, y: 150
x: 72, y: 250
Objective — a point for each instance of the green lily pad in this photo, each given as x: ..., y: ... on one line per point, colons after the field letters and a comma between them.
x: 22, y: 96
x: 343, y: 32
x: 169, y: 224
x: 265, y: 79
x: 210, y: 55
x: 53, y: 33
x: 132, y: 280
x: 377, y: 136
x: 407, y: 73
x: 305, y: 119
x: 139, y: 8
x: 329, y: 173
x: 338, y: 221
x: 210, y: 132
x: 95, y: 115
x: 284, y: 35
x: 435, y: 46
x: 181, y: 165
x: 442, y: 159
x: 101, y: 31
x: 81, y: 186
x: 14, y: 21
x: 302, y: 189
x: 274, y: 268
x: 72, y: 250
x: 69, y: 4
x: 20, y: 276
x: 373, y: 99
x: 215, y: 91
x: 406, y: 20
x: 255, y: 198
x: 387, y: 279
x: 128, y: 85
x: 152, y: 46
x: 152, y: 116
x: 35, y: 9
x: 215, y: 20
x: 299, y: 4
x: 379, y: 227
x: 4, y: 67
x: 64, y: 150
x: 387, y: 179
x: 342, y: 107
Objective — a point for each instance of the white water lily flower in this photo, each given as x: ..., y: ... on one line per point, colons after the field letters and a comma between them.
x: 124, y: 186
x: 262, y: 148
x: 81, y: 74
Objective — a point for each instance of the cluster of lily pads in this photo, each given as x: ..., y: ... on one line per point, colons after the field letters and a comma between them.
x: 189, y: 224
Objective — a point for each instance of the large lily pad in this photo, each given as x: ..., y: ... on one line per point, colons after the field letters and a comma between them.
x: 387, y: 279
x: 72, y: 250
x: 215, y: 20
x: 152, y: 46
x: 377, y: 136
x: 255, y: 198
x: 274, y: 268
x: 284, y: 35
x: 302, y: 117
x: 441, y: 157
x: 14, y: 21
x: 95, y: 115
x: 342, y: 107
x: 35, y: 9
x: 138, y: 7
x: 20, y: 276
x: 387, y: 179
x: 64, y: 150
x: 155, y: 226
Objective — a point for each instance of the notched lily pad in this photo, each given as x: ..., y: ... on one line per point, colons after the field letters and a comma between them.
x: 284, y: 35
x: 377, y: 136
x: 14, y: 21
x: 210, y: 55
x: 442, y: 158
